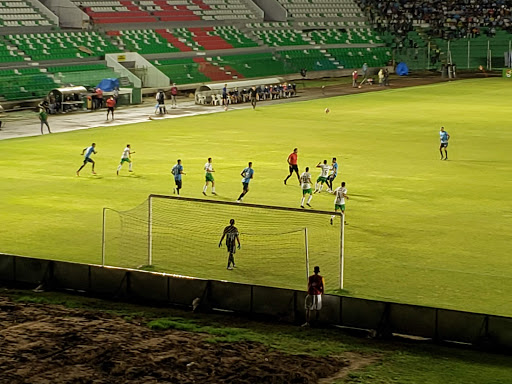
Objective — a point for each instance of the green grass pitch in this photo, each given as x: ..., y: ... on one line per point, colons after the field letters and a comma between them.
x: 420, y: 230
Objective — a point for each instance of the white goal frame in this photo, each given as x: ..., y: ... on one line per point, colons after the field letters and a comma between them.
x: 205, y: 201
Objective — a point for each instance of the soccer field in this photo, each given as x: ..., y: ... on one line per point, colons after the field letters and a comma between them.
x: 420, y: 230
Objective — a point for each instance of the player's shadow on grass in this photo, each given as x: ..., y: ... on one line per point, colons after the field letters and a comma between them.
x: 132, y: 176
x: 482, y: 162
x: 219, y: 197
x: 361, y: 197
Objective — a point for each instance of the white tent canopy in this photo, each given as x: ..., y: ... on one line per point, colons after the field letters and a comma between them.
x: 240, y: 84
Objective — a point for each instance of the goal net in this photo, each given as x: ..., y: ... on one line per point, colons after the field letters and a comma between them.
x: 181, y: 236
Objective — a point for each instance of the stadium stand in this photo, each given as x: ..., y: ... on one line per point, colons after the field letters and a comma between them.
x: 280, y: 37
x: 143, y: 41
x: 454, y: 19
x: 34, y: 83
x: 61, y: 45
x: 114, y: 11
x: 311, y: 59
x: 144, y: 11
x: 307, y: 9
x: 19, y: 13
x: 8, y: 53
x: 87, y: 75
x: 148, y: 41
x: 284, y: 47
x: 355, y: 58
x: 181, y: 71
x: 252, y: 65
x: 26, y: 83
x: 348, y: 36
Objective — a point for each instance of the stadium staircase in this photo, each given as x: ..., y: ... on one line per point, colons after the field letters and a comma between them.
x: 176, y: 42
x: 217, y: 73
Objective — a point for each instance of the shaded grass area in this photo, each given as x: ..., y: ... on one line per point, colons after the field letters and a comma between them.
x: 395, y: 362
x: 420, y: 230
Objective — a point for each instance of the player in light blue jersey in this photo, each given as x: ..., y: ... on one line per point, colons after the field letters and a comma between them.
x: 177, y: 171
x: 247, y: 174
x: 444, y: 136
x: 334, y: 173
x: 87, y: 159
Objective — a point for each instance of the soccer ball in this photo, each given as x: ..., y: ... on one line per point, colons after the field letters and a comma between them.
x: 327, y: 110
x: 359, y: 87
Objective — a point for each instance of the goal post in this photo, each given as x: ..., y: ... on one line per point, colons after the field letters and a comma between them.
x: 181, y: 235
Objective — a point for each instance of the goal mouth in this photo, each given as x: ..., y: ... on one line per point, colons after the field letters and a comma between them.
x: 182, y: 235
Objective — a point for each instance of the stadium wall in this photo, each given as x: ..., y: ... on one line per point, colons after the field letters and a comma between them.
x: 384, y: 318
x: 273, y: 11
x: 70, y: 16
x: 45, y: 11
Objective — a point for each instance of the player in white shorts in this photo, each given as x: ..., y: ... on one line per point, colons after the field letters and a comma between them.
x: 323, y: 175
x: 126, y: 157
x: 305, y: 182
x: 340, y: 194
x: 208, y: 168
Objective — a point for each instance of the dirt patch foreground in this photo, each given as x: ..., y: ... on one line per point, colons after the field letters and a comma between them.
x: 52, y: 344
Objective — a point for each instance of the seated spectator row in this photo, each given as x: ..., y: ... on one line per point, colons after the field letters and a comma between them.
x: 238, y: 96
x: 451, y: 19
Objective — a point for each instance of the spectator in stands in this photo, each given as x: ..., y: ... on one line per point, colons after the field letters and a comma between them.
x: 448, y: 20
x: 160, y: 99
x: 111, y: 103
x: 174, y: 93
x: 244, y: 94
x: 259, y: 91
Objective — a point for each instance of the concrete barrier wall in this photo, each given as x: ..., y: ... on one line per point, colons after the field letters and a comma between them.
x: 286, y: 305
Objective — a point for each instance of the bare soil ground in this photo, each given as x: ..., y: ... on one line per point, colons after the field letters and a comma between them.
x: 52, y: 344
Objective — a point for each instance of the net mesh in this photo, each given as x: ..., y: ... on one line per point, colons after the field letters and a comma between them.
x: 184, y: 237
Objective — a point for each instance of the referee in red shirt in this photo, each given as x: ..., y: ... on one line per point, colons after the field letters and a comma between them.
x: 292, y: 165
